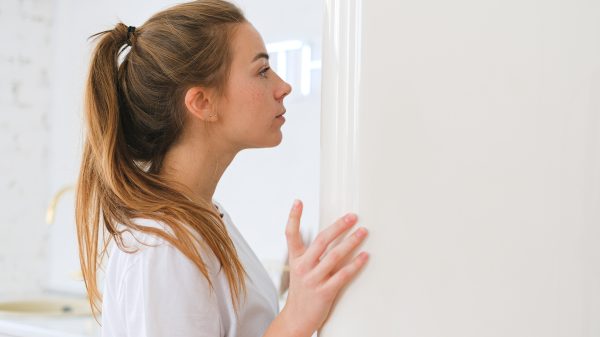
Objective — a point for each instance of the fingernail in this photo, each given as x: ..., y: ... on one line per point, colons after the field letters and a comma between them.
x: 349, y: 218
x: 296, y: 204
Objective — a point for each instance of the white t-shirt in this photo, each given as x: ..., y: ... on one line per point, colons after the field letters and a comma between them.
x: 159, y: 292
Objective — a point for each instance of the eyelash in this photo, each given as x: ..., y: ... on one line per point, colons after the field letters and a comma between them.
x: 263, y: 72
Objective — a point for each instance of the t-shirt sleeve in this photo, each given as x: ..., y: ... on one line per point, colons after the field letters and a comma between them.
x: 165, y: 295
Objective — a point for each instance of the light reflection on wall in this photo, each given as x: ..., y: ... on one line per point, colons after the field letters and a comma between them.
x: 294, y: 63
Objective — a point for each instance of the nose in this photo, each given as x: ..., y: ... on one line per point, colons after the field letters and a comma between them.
x: 286, y: 89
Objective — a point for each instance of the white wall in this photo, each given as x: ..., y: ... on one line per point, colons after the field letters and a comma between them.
x: 25, y: 96
x: 467, y: 138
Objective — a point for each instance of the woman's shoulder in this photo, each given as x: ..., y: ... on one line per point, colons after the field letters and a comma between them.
x: 134, y: 239
x: 134, y: 242
x: 141, y: 238
x: 138, y: 244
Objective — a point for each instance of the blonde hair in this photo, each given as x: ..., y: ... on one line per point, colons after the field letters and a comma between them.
x: 134, y: 112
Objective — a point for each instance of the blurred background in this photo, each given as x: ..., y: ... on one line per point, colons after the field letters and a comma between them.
x: 43, y: 64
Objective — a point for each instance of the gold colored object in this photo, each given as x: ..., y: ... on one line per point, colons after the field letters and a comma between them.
x: 54, y: 202
x: 76, y: 275
x: 46, y: 306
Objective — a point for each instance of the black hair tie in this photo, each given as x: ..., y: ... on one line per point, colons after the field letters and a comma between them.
x: 130, y: 31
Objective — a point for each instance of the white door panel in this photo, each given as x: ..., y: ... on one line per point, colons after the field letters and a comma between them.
x: 466, y: 136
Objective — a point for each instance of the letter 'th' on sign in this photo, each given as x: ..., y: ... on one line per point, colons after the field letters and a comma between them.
x: 304, y: 63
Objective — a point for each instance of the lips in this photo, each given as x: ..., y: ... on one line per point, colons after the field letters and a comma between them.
x: 281, y: 114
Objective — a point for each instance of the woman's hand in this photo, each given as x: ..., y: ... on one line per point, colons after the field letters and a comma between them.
x: 314, y: 281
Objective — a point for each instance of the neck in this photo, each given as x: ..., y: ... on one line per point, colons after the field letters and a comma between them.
x: 198, y: 167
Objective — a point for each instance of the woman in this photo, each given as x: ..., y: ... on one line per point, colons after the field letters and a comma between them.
x: 168, y: 106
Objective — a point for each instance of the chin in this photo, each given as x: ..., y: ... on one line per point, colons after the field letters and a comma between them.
x: 276, y: 142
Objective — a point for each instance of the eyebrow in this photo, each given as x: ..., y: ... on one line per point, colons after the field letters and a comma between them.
x: 260, y: 55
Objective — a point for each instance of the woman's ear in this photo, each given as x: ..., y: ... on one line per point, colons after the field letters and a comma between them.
x: 199, y: 102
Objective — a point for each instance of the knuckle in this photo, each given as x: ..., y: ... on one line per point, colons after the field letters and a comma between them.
x: 299, y: 269
x: 292, y: 219
x: 335, y: 255
x: 289, y: 233
x: 320, y: 241
x: 344, y: 274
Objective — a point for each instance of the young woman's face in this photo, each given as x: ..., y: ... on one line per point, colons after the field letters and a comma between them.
x: 254, y: 94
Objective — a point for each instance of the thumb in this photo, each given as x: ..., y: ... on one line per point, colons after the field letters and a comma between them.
x: 292, y: 231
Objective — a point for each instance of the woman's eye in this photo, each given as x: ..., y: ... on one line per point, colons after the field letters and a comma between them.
x: 263, y: 72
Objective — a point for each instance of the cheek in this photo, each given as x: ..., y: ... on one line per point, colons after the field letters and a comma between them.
x: 247, y: 92
x: 257, y: 92
x: 255, y: 100
x: 250, y: 97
